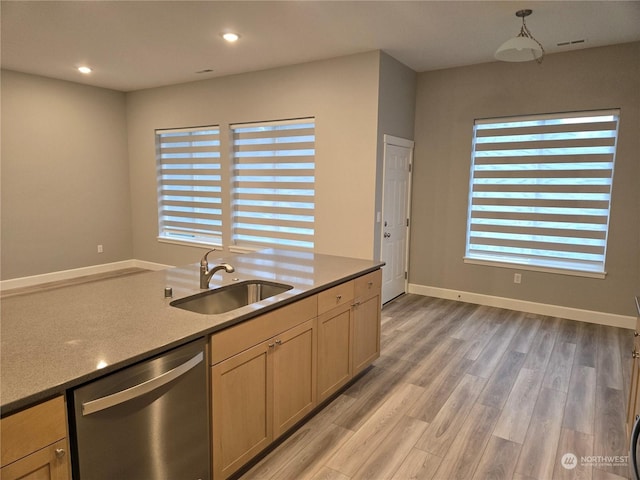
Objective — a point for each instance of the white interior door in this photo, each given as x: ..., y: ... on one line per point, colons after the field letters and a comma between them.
x: 398, y: 154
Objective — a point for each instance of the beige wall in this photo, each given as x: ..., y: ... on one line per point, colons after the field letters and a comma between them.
x: 396, y: 116
x: 65, y: 180
x: 60, y: 198
x: 342, y: 95
x: 447, y: 103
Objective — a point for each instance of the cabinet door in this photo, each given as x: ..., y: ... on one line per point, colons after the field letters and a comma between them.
x: 294, y: 376
x: 366, y: 333
x: 32, y: 429
x: 334, y: 350
x: 242, y: 404
x: 49, y: 463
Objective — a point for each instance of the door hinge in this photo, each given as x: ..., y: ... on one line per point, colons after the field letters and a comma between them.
x: 410, y: 167
x: 406, y: 275
x: 407, y: 222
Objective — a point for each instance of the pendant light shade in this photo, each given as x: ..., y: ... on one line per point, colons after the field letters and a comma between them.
x: 522, y: 48
x: 519, y: 49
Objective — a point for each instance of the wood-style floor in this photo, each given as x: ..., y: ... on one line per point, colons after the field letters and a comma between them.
x: 463, y: 391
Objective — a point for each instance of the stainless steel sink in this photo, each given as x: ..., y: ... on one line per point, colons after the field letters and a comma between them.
x: 225, y: 299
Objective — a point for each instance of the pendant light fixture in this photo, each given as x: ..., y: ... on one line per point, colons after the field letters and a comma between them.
x: 522, y: 48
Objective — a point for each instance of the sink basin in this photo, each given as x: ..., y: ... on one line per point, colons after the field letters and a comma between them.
x: 225, y: 299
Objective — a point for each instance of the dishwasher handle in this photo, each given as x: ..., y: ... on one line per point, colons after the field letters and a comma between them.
x: 141, y: 389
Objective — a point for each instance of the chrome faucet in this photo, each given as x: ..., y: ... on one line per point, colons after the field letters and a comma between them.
x: 206, y: 274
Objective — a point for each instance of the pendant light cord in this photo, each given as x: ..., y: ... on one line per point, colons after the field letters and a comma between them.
x: 524, y: 32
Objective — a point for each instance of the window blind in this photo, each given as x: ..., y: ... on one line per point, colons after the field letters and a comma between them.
x: 190, y: 185
x: 273, y: 183
x: 540, y: 191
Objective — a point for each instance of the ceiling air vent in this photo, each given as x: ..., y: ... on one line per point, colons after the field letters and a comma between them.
x: 571, y: 43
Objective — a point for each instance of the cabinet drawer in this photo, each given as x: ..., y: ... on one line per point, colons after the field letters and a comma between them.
x: 32, y: 429
x: 233, y: 340
x: 335, y: 297
x: 368, y: 285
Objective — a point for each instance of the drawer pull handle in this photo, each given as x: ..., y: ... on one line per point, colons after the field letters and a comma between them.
x: 370, y: 284
x: 357, y: 304
x: 60, y: 452
x: 271, y: 345
x: 636, y: 334
x: 635, y: 354
x: 339, y: 297
x: 278, y: 342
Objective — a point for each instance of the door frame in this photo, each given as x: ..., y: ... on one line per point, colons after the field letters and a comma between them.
x: 410, y: 144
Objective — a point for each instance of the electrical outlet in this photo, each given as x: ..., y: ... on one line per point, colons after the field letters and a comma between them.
x: 517, y: 278
x: 100, y: 249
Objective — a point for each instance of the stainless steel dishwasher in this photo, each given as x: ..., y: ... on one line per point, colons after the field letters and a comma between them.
x: 146, y: 422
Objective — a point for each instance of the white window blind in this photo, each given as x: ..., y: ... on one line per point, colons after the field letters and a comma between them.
x: 189, y: 185
x: 540, y: 191
x: 273, y: 183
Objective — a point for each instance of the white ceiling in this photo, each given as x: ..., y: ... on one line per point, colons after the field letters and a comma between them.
x: 133, y: 45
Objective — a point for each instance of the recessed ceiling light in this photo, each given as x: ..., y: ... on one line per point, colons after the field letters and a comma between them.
x: 84, y: 70
x: 230, y: 37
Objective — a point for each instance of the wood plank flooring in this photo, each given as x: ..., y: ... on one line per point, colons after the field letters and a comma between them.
x: 463, y: 391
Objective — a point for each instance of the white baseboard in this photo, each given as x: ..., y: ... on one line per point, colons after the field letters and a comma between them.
x: 150, y: 265
x: 590, y: 316
x: 77, y: 272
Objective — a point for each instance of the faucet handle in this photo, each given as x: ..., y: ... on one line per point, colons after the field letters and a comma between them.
x: 204, y: 262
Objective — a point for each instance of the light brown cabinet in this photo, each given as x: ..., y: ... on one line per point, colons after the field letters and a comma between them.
x: 269, y: 372
x: 261, y: 391
x: 335, y: 336
x: 366, y: 320
x: 348, y: 331
x: 242, y: 402
x: 34, y: 443
x: 294, y: 376
x: 334, y: 350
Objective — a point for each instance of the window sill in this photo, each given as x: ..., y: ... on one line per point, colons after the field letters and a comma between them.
x: 533, y: 268
x: 187, y: 243
x: 237, y: 249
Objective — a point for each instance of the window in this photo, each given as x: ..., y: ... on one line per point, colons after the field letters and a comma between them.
x: 273, y: 183
x: 540, y: 191
x: 269, y: 179
x: 189, y: 186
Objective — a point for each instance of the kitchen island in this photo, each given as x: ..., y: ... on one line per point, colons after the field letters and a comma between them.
x: 57, y: 339
x: 312, y: 339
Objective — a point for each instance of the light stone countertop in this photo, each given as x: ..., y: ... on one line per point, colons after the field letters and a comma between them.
x: 58, y: 339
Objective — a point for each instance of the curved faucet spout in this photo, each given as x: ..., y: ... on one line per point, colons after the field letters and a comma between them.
x: 204, y: 261
x: 206, y: 274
